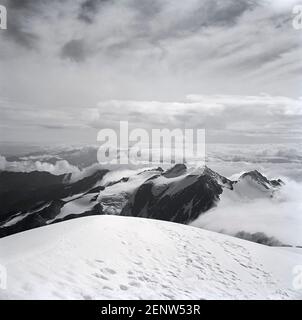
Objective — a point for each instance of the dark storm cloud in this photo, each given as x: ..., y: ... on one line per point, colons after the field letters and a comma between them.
x: 89, y: 8
x: 205, y: 14
x: 19, y: 12
x: 226, y: 12
x: 217, y: 13
x: 24, y: 38
x: 147, y: 8
x: 75, y: 50
x: 180, y: 20
x: 176, y: 20
x: 21, y: 4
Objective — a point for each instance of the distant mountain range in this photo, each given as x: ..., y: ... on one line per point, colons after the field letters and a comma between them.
x: 30, y: 200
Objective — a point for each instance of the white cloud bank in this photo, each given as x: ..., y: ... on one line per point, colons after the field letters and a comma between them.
x: 279, y: 217
x: 59, y: 168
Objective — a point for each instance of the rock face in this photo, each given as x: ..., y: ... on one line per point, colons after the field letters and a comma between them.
x: 260, y: 237
x: 19, y: 190
x: 176, y: 171
x: 30, y: 200
x: 177, y: 195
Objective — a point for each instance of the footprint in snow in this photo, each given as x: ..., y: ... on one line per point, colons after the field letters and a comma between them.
x: 123, y: 287
x: 134, y: 284
x: 99, y: 261
x: 100, y: 276
x: 110, y: 271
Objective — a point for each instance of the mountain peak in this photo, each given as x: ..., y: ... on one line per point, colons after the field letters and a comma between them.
x: 177, y: 170
x: 223, y: 181
x: 256, y: 176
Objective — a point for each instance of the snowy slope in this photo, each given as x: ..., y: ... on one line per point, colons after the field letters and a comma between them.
x: 117, y: 192
x: 104, y: 257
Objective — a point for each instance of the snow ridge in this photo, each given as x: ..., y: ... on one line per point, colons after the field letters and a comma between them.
x: 110, y: 257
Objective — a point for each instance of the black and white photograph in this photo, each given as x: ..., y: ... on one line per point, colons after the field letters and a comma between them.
x: 151, y: 150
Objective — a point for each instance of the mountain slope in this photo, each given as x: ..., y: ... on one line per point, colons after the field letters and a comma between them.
x: 178, y: 195
x: 182, y: 195
x: 110, y: 257
x: 30, y: 200
x: 254, y: 185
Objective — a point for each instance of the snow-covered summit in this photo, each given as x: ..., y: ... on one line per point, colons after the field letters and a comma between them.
x: 255, y: 185
x: 110, y: 257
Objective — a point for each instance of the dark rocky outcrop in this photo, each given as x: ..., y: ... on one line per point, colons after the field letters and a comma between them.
x: 181, y: 200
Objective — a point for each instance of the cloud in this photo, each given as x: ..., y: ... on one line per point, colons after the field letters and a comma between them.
x: 89, y: 8
x: 17, y: 30
x: 281, y: 5
x: 24, y: 38
x: 273, y: 160
x: 2, y: 163
x: 75, y: 50
x: 279, y: 217
x: 244, y: 116
x: 60, y: 58
x: 226, y: 118
x: 59, y: 168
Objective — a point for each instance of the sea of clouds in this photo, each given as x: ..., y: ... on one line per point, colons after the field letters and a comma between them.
x: 60, y: 167
x: 279, y: 217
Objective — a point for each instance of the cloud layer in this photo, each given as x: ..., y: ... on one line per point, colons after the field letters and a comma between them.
x: 280, y: 217
x: 59, y: 168
x: 58, y: 59
x: 226, y: 118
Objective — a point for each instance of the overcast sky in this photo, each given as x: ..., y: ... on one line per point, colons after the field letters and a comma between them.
x: 69, y: 68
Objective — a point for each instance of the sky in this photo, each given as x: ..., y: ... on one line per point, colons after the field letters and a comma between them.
x: 70, y: 68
